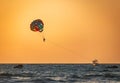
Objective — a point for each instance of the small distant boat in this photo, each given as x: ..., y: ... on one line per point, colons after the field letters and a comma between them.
x: 95, y: 62
x: 19, y: 66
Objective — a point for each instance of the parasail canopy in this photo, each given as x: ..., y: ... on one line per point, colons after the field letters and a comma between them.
x: 37, y: 25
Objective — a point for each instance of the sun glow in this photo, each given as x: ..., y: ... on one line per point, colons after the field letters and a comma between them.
x: 76, y: 31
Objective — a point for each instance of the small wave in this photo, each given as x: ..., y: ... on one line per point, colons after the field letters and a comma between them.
x: 22, y: 78
x: 59, y: 79
x: 10, y: 75
x: 7, y: 74
x: 43, y: 80
x: 38, y: 81
x: 91, y: 76
x: 110, y: 75
x: 49, y: 80
x: 75, y: 76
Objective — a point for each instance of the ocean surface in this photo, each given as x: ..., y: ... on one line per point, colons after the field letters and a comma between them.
x: 60, y: 73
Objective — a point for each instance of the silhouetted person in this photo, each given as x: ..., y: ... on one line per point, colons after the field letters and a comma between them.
x: 19, y: 66
x: 44, y: 39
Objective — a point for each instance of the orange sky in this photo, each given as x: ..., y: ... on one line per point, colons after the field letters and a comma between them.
x: 76, y: 31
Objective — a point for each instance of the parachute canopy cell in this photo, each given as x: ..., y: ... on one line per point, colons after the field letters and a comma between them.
x: 37, y: 25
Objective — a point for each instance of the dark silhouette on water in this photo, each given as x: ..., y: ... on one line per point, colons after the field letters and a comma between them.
x: 95, y: 62
x: 19, y: 66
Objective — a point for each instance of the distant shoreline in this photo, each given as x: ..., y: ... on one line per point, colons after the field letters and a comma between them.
x: 59, y: 63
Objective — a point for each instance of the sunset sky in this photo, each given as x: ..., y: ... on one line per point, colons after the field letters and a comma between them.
x: 76, y: 31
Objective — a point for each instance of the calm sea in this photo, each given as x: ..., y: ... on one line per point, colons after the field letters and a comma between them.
x: 60, y: 73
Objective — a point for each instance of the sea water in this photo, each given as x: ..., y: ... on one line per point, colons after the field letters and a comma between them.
x: 60, y: 73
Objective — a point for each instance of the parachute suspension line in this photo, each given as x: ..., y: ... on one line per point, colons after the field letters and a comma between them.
x: 43, y: 37
x: 60, y: 46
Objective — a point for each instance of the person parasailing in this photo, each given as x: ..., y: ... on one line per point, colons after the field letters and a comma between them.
x: 37, y: 26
